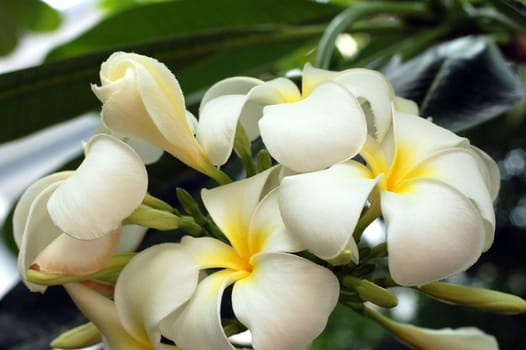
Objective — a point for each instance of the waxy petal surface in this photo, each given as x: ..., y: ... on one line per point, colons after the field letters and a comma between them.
x: 321, y: 209
x: 434, y: 231
x: 154, y: 284
x: 313, y: 134
x: 285, y: 302
x: 109, y: 184
x: 467, y: 338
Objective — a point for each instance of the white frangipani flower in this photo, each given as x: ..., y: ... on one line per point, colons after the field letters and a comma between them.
x: 323, y: 124
x: 273, y: 290
x: 70, y: 222
x: 435, y: 192
x: 142, y: 100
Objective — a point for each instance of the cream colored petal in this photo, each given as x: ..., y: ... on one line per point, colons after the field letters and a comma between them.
x: 229, y: 86
x: 211, y: 253
x: 406, y: 106
x: 433, y: 231
x: 23, y: 206
x: 459, y: 168
x: 313, y: 76
x: 321, y: 209
x: 198, y: 324
x: 267, y: 231
x: 155, y: 283
x: 374, y: 92
x: 131, y: 238
x: 232, y: 206
x: 279, y: 90
x: 417, y: 139
x: 491, y: 170
x: 325, y: 128
x: 101, y: 311
x: 109, y: 184
x: 73, y: 256
x: 466, y: 338
x: 285, y: 302
x: 39, y: 231
x: 217, y: 126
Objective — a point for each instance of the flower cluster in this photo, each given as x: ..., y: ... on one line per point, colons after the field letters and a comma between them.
x: 277, y: 248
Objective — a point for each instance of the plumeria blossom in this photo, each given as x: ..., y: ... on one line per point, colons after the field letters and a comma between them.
x: 100, y: 310
x: 435, y: 192
x: 70, y: 222
x: 323, y: 124
x: 142, y: 100
x: 283, y: 299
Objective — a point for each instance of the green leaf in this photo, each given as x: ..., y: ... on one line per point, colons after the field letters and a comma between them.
x: 17, y: 16
x: 164, y: 20
x: 460, y: 84
x: 34, y: 98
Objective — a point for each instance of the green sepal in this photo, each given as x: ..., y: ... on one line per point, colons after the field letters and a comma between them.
x: 79, y: 337
x: 370, y: 291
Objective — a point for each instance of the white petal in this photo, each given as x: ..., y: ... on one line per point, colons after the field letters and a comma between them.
x: 459, y: 168
x: 231, y: 207
x: 39, y: 231
x: 313, y: 76
x: 433, y: 231
x: 467, y: 338
x: 21, y: 213
x: 101, y: 311
x: 377, y: 91
x: 321, y: 209
x: 325, y: 128
x: 154, y: 284
x: 406, y: 106
x: 279, y: 90
x: 131, y: 237
x: 73, y: 256
x: 417, y: 139
x: 491, y: 169
x: 217, y: 126
x: 198, y: 325
x: 209, y: 253
x: 229, y: 86
x: 285, y: 302
x: 109, y: 184
x: 267, y: 231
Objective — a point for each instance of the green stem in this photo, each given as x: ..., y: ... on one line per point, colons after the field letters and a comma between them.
x: 354, y: 12
x: 369, y: 216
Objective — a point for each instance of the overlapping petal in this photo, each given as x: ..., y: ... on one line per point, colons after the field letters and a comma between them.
x: 433, y: 231
x: 148, y: 290
x: 109, y: 184
x: 198, y: 324
x: 321, y: 209
x: 312, y: 134
x: 285, y: 301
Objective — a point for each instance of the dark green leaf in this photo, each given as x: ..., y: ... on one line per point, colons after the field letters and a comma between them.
x: 460, y: 84
x: 34, y: 98
x: 164, y: 20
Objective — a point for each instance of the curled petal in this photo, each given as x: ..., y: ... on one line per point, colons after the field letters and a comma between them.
x: 231, y: 207
x: 142, y: 99
x: 101, y: 311
x: 313, y: 134
x: 131, y: 237
x: 210, y: 253
x: 434, y: 231
x: 321, y: 209
x: 229, y: 86
x: 285, y: 302
x: 38, y: 231
x: 26, y: 201
x: 459, y: 168
x: 267, y: 231
x: 109, y: 184
x: 198, y: 324
x: 154, y: 284
x: 217, y: 126
x: 491, y: 170
x: 73, y: 256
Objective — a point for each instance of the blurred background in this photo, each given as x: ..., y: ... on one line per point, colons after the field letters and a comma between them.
x: 461, y: 60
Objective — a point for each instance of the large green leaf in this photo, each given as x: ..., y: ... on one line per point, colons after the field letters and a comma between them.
x: 460, y: 84
x: 18, y: 16
x: 157, y: 21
